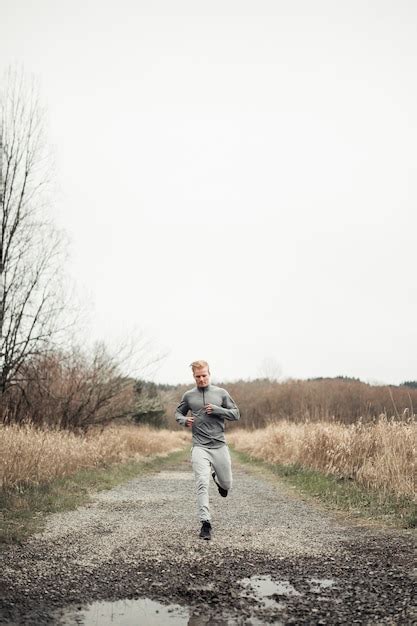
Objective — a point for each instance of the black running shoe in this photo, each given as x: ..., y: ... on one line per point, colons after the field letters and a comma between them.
x: 205, y: 532
x: 222, y: 492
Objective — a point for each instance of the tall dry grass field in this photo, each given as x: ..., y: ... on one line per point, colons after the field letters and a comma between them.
x: 29, y: 456
x: 380, y: 455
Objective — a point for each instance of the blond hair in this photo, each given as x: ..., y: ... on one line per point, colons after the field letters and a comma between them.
x: 197, y: 365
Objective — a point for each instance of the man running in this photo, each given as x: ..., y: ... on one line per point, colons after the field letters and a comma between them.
x: 209, y: 406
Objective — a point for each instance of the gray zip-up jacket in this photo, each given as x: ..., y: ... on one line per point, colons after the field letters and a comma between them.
x: 207, y: 429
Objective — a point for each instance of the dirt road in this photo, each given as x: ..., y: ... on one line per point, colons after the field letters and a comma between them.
x: 274, y: 558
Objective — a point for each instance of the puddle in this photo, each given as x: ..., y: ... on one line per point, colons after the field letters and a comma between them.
x: 128, y: 613
x: 150, y: 613
x: 263, y: 587
x: 147, y: 613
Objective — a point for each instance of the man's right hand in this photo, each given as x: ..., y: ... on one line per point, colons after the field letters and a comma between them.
x: 189, y: 421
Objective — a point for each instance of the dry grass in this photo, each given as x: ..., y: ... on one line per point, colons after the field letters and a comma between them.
x: 380, y: 455
x: 29, y: 456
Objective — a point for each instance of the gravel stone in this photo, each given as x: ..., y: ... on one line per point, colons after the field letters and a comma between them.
x: 140, y: 540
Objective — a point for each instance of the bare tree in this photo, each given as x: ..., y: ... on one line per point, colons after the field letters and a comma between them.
x: 73, y: 389
x: 30, y: 248
x: 77, y: 388
x: 270, y: 369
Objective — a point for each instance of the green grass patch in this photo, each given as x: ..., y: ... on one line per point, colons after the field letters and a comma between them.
x: 23, y: 512
x: 340, y: 493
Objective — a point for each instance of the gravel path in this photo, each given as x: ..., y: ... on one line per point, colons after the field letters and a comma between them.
x: 274, y: 558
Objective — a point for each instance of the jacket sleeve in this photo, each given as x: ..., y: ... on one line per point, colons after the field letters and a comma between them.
x: 229, y: 409
x: 182, y: 410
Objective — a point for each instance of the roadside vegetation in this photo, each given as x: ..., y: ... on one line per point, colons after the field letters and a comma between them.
x: 366, y: 468
x: 31, y: 456
x: 44, y: 471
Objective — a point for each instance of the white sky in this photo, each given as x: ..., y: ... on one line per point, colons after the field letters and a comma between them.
x: 238, y: 178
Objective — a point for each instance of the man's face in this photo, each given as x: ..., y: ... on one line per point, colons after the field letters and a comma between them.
x: 202, y: 376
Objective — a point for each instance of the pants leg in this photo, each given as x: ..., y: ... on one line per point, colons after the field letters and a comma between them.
x: 201, y: 462
x: 222, y: 465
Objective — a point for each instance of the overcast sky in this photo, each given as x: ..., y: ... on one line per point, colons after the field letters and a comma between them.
x: 238, y: 179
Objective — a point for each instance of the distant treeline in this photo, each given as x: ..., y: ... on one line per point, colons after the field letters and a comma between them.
x: 74, y: 391
x: 342, y: 399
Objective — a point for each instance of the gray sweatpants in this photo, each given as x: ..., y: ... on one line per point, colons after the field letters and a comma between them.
x: 205, y: 461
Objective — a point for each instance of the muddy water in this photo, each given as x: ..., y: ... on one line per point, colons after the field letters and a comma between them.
x: 128, y: 613
x: 266, y: 591
x: 152, y: 613
x: 147, y: 613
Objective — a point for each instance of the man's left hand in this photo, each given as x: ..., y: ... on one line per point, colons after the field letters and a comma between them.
x: 209, y: 409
